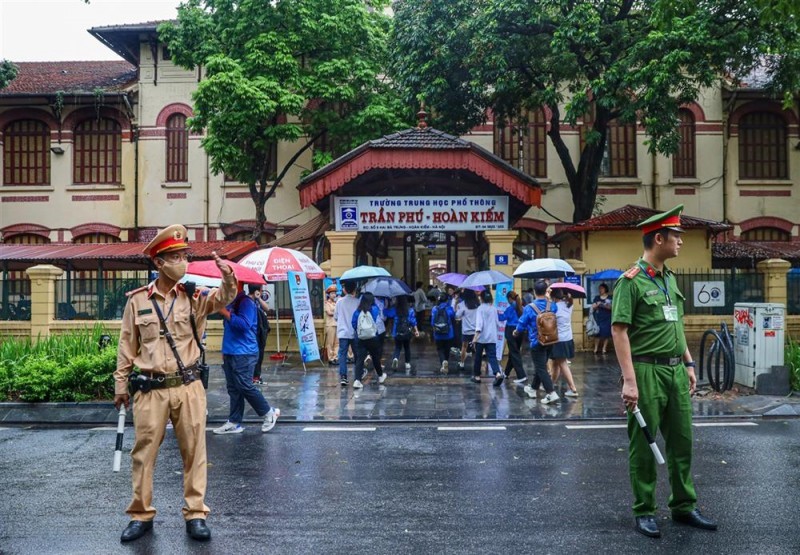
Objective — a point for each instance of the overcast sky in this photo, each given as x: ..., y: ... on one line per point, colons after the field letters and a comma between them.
x: 56, y: 30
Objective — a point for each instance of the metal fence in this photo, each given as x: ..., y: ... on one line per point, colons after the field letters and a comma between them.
x: 15, y: 297
x: 95, y: 298
x: 793, y: 291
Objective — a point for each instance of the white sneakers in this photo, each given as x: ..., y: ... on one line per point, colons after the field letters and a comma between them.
x: 570, y: 393
x: 443, y: 369
x: 358, y: 385
x: 270, y: 419
x: 229, y: 428
x: 382, y: 377
x: 408, y: 366
x: 550, y: 398
x: 530, y: 392
x: 394, y: 363
x: 520, y: 381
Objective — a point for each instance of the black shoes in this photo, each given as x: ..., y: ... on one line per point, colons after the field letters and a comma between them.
x: 197, y: 529
x: 647, y: 525
x: 135, y: 530
x: 498, y: 379
x: 695, y: 519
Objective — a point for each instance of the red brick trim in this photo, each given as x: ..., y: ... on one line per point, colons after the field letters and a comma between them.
x: 765, y: 193
x: 696, y: 110
x: 777, y: 223
x: 24, y: 229
x: 763, y: 106
x: 170, y: 109
x: 37, y: 198
x: 619, y: 191
x: 685, y: 191
x: 237, y: 195
x: 95, y: 227
x: 93, y: 198
x: 212, y: 234
x: 83, y: 114
x: 27, y: 113
x: 171, y: 196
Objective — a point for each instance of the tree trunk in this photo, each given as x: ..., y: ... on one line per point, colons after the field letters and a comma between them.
x: 584, y: 185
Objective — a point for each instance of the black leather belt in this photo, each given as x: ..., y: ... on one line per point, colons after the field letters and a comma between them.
x: 658, y: 360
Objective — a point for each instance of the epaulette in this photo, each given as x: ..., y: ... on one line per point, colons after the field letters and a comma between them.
x: 630, y: 274
x: 142, y: 288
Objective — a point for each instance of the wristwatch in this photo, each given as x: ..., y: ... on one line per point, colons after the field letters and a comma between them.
x: 690, y: 364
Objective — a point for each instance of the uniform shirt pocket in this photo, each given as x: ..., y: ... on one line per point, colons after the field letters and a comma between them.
x: 149, y: 328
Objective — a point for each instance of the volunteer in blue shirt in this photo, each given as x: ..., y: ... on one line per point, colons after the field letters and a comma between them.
x: 511, y: 318
x: 539, y: 353
x: 443, y: 339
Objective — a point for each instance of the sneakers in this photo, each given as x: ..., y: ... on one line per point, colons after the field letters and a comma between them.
x: 229, y: 428
x: 455, y: 350
x: 367, y: 361
x: 258, y: 381
x: 476, y: 379
x: 270, y: 419
x: 382, y: 378
x: 520, y: 381
x: 443, y: 369
x: 358, y: 385
x: 460, y: 366
x: 570, y: 393
x: 394, y: 363
x: 498, y: 379
x: 343, y: 381
x: 530, y: 392
x: 408, y: 366
x: 550, y: 398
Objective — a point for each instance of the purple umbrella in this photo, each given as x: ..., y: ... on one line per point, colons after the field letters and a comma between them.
x: 455, y: 279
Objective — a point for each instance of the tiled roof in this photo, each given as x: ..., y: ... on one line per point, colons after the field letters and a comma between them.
x: 428, y: 139
x: 629, y: 215
x: 70, y: 77
x: 747, y: 253
x: 304, y: 235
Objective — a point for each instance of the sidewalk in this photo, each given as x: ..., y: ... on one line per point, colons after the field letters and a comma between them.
x: 316, y: 396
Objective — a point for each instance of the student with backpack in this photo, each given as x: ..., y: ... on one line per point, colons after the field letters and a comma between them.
x: 343, y: 314
x: 539, y: 318
x: 466, y: 312
x: 511, y: 317
x: 365, y: 324
x: 259, y: 297
x: 403, y: 329
x: 485, y: 339
x: 443, y: 325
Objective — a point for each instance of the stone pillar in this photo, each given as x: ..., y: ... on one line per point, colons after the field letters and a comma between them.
x: 501, y: 243
x: 43, y: 298
x: 775, y: 270
x: 386, y: 263
x: 578, y: 330
x: 343, y: 251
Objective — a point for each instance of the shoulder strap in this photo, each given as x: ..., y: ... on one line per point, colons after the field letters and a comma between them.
x: 547, y: 306
x: 535, y: 308
x: 190, y: 288
x: 168, y: 335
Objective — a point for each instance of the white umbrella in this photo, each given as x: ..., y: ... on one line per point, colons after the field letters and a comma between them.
x: 485, y: 277
x: 544, y: 268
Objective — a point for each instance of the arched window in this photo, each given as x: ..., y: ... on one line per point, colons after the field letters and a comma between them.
x: 683, y: 161
x: 531, y: 244
x: 762, y: 146
x: 103, y: 238
x: 26, y: 153
x: 522, y: 142
x: 619, y: 159
x: 98, y: 152
x: 766, y: 234
x: 177, y: 149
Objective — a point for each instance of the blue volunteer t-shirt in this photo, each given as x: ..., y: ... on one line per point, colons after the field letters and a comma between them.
x: 528, y: 319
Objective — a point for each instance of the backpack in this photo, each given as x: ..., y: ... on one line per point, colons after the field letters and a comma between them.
x: 263, y: 325
x: 365, y: 327
x: 441, y: 324
x: 403, y: 329
x: 546, y: 325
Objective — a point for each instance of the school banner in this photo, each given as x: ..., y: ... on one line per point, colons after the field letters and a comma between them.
x: 303, y: 318
x: 501, y: 303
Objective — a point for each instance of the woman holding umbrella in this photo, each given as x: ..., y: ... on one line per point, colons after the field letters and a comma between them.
x: 601, y: 306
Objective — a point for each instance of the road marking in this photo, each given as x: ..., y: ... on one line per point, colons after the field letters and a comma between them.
x: 720, y: 424
x: 103, y: 429
x: 338, y: 429
x: 595, y: 426
x: 1, y: 429
x: 471, y: 428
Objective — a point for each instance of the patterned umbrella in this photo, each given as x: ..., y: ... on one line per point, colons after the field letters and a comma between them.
x: 275, y: 262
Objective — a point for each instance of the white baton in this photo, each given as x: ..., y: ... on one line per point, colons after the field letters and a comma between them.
x: 120, y: 432
x: 650, y: 439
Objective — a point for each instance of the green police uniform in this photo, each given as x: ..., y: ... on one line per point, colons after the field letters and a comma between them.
x: 651, y: 304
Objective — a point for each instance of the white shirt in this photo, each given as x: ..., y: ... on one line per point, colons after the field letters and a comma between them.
x: 467, y: 317
x: 564, y: 321
x: 486, y: 323
x: 345, y: 308
x: 380, y: 325
x: 420, y: 300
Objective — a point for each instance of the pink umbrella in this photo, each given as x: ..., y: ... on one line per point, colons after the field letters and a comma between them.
x: 575, y: 290
x: 208, y: 269
x: 275, y: 262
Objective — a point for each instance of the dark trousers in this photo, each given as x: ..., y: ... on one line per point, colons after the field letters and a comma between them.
x: 514, y: 355
x: 443, y: 348
x: 239, y: 381
x: 539, y: 355
x: 371, y: 346
x: 405, y: 344
x: 491, y: 355
x: 260, y: 361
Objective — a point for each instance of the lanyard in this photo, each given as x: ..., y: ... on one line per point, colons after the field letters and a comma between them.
x: 662, y: 289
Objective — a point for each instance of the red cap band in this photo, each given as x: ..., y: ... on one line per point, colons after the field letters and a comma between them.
x: 672, y: 221
x: 168, y: 244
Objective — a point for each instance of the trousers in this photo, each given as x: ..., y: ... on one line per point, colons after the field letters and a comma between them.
x: 239, y: 382
x: 185, y: 406
x: 666, y: 405
x: 514, y: 361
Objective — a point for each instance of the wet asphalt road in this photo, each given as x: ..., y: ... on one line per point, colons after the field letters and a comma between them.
x: 539, y: 488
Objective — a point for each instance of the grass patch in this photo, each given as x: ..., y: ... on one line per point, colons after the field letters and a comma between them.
x: 792, y: 360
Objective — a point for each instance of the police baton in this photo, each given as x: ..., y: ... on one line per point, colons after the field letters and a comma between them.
x: 120, y: 432
x: 650, y: 439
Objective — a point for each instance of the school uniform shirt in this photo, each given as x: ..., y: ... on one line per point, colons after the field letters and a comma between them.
x: 467, y: 317
x: 528, y: 319
x: 486, y: 323
x: 376, y: 315
x: 345, y: 307
x: 392, y: 313
x: 450, y: 315
x: 380, y: 323
x: 509, y: 316
x: 240, y: 332
x: 564, y: 321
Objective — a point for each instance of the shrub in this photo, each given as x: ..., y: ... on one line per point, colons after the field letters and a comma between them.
x: 34, y: 378
x: 792, y: 360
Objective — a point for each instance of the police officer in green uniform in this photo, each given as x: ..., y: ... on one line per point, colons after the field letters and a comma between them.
x: 658, y: 374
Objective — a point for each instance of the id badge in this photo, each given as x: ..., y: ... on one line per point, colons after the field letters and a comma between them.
x: 670, y: 313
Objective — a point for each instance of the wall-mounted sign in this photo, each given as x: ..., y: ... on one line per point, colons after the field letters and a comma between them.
x: 500, y: 259
x: 709, y: 293
x: 421, y: 213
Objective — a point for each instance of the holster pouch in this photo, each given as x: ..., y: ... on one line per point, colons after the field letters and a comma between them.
x: 202, y: 370
x: 139, y: 382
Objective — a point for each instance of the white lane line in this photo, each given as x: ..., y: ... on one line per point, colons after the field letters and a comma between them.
x: 721, y: 424
x: 471, y: 428
x: 1, y: 429
x: 595, y: 426
x: 338, y: 429
x: 103, y: 429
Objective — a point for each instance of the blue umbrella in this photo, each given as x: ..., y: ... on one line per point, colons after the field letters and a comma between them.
x: 606, y: 274
x: 364, y: 272
x: 387, y: 287
x: 486, y: 277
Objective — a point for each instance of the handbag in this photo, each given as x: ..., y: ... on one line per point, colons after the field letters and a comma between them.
x: 592, y: 328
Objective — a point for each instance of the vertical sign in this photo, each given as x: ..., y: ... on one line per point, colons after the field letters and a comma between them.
x: 501, y: 303
x: 303, y: 318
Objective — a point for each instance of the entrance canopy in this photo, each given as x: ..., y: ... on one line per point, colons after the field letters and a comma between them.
x: 422, y: 162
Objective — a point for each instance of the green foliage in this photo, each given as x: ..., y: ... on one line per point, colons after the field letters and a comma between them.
x: 293, y: 70
x: 58, y: 368
x: 8, y: 72
x: 792, y: 359
x: 615, y: 60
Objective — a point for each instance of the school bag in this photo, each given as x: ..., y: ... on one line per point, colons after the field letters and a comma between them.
x: 546, y: 325
x: 365, y: 327
x: 441, y: 324
x: 403, y: 331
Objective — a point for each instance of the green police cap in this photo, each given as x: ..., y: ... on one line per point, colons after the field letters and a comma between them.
x: 670, y: 219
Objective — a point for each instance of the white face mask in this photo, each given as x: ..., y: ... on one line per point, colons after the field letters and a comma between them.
x: 174, y: 270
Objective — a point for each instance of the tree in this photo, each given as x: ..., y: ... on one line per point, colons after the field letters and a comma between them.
x: 302, y: 71
x: 8, y: 72
x: 591, y: 60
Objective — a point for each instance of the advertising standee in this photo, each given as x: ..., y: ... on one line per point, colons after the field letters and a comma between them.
x: 303, y: 317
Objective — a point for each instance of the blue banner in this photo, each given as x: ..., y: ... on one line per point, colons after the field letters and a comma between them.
x: 501, y: 303
x: 303, y: 318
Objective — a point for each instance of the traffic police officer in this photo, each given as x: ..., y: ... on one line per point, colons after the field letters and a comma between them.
x: 168, y: 395
x: 658, y: 373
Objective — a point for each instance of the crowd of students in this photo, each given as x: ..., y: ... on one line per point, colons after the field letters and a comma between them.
x: 461, y: 323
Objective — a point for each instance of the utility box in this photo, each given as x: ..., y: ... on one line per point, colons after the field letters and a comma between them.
x: 758, y: 335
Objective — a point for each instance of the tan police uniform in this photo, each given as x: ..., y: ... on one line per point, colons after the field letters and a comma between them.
x: 142, y: 344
